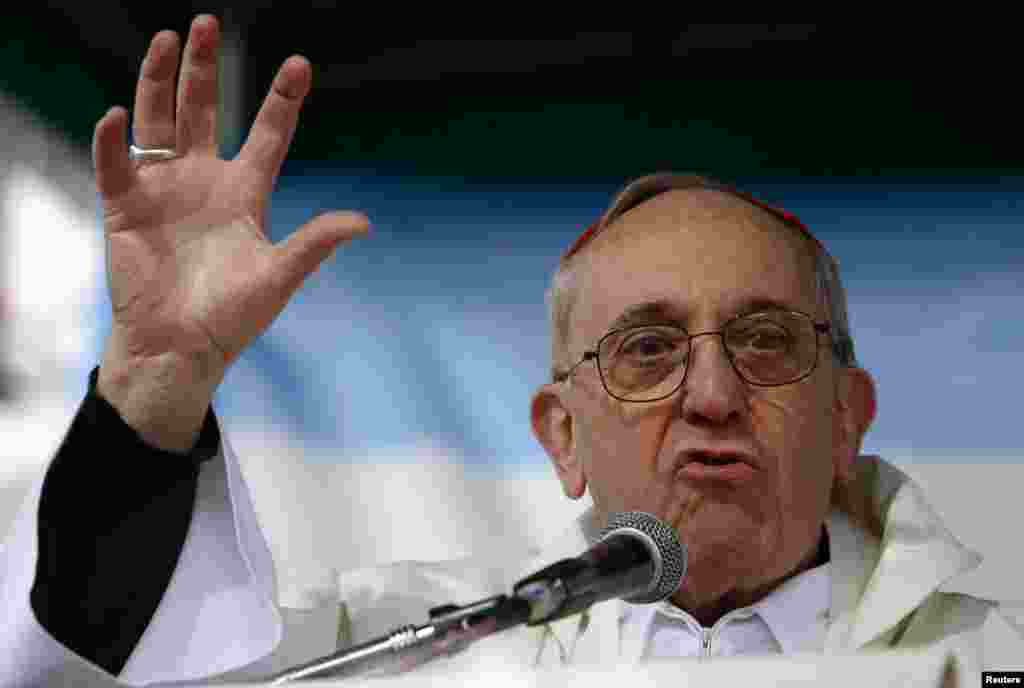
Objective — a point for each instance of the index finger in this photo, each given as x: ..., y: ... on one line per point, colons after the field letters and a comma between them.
x: 114, y: 171
x: 272, y: 132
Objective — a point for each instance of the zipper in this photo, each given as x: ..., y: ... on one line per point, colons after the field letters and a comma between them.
x: 706, y: 634
x: 705, y: 643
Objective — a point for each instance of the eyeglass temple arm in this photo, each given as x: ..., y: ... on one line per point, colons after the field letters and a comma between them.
x: 562, y: 377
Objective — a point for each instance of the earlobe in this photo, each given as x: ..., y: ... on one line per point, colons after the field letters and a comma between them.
x: 553, y: 427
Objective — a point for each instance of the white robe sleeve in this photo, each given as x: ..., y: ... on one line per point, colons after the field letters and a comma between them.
x: 218, y: 613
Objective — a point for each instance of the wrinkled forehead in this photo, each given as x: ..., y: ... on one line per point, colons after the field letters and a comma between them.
x: 707, y: 254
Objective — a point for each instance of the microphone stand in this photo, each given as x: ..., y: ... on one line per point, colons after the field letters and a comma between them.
x: 628, y: 562
x: 450, y: 630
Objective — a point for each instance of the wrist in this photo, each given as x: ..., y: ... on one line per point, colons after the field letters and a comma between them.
x: 164, y: 398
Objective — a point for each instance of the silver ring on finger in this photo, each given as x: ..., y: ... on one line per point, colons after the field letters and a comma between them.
x: 140, y: 154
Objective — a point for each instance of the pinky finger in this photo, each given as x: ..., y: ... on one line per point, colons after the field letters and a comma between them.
x: 115, y: 173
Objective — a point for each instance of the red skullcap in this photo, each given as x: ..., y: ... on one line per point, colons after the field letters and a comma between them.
x: 789, y: 218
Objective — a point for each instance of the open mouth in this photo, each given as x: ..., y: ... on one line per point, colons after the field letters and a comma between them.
x: 716, y: 459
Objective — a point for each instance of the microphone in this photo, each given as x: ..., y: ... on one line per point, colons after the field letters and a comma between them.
x: 638, y: 558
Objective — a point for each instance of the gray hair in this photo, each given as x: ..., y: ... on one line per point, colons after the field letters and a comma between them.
x: 565, y: 281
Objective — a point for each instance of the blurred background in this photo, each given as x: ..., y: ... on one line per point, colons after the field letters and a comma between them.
x: 391, y: 398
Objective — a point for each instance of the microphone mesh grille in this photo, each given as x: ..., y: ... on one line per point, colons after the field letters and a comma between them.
x: 671, y: 551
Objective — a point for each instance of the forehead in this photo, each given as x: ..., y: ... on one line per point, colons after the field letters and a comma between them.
x: 703, y: 254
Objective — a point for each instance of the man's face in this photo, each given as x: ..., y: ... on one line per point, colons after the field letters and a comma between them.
x: 708, y: 258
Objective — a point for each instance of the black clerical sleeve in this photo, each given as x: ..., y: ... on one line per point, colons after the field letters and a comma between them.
x: 113, y: 516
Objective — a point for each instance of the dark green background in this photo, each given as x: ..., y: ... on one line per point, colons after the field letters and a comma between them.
x: 846, y: 100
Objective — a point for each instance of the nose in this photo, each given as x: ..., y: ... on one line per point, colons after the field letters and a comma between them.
x: 713, y: 393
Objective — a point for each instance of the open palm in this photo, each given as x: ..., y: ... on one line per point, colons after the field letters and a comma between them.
x: 190, y: 268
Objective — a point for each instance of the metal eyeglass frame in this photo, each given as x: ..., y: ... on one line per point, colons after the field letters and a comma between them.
x: 820, y: 328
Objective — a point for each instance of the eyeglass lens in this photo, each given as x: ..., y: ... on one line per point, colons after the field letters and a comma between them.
x: 649, y: 361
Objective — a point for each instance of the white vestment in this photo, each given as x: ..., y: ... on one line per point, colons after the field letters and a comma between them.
x: 220, y: 616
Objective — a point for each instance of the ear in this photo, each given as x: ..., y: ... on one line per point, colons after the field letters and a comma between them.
x: 856, y: 404
x: 552, y: 425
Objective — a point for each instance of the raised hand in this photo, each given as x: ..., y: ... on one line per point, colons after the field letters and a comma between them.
x: 193, y: 277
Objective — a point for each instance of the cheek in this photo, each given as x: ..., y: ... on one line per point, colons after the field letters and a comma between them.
x: 620, y: 446
x: 795, y: 434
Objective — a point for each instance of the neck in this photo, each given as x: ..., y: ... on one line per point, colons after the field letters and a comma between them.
x: 709, y: 612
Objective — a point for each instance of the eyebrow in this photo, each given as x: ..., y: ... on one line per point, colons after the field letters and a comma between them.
x: 665, y: 311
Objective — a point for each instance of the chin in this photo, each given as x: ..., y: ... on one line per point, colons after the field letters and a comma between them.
x: 732, y: 549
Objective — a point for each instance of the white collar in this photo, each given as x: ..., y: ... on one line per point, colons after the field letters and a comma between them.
x: 796, y: 612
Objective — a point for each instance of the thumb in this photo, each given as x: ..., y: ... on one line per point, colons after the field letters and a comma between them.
x: 308, y: 247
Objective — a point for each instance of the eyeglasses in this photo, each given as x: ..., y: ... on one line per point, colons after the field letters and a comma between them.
x: 649, y: 362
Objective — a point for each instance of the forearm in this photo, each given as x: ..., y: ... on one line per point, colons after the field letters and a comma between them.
x: 113, y: 515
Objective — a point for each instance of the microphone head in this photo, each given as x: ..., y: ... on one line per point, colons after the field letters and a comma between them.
x: 667, y: 552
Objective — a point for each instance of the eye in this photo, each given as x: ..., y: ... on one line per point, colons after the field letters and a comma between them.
x: 650, y: 348
x: 646, y: 346
x: 762, y: 337
x: 769, y: 339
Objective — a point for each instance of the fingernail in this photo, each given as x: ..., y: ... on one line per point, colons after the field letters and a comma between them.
x: 204, y: 28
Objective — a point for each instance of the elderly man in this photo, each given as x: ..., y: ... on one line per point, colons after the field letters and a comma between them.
x: 703, y: 371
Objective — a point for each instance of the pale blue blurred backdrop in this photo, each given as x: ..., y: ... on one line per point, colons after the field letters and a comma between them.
x: 435, y: 328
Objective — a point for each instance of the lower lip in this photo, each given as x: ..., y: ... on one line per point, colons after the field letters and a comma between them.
x: 737, y: 472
